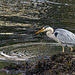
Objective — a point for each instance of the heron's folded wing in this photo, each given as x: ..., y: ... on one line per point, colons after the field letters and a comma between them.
x: 65, y: 36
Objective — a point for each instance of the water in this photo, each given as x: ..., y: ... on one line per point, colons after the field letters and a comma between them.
x: 20, y: 19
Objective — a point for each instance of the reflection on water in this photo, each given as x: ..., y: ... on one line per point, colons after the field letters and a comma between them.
x: 20, y: 19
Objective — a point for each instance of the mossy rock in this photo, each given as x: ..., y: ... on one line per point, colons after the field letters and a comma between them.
x: 62, y: 63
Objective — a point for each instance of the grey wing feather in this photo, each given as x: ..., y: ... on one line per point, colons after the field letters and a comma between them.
x: 65, y: 36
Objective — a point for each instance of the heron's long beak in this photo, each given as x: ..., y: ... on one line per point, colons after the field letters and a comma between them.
x: 40, y: 31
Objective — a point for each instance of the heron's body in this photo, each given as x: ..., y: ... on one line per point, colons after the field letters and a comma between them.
x: 66, y: 37
x: 62, y: 36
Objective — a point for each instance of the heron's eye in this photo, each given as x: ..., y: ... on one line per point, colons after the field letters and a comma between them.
x: 43, y: 28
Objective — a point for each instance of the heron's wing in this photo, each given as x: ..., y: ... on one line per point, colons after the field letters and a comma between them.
x: 65, y: 36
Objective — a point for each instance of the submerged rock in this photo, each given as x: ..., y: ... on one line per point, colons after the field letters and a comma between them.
x: 63, y: 63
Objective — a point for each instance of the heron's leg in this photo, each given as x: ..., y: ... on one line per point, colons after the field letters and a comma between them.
x: 63, y: 49
x: 71, y: 48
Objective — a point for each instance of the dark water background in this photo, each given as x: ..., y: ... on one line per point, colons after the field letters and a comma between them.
x: 20, y: 19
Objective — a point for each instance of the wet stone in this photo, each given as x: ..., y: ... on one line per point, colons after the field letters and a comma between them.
x: 57, y: 64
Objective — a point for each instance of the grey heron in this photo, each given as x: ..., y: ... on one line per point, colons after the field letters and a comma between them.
x: 62, y: 36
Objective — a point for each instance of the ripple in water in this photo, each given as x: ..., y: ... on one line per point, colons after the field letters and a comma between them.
x: 26, y: 51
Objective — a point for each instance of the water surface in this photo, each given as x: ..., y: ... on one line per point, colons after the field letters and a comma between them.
x: 20, y: 19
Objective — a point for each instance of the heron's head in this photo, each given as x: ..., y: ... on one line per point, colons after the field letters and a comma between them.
x: 45, y: 28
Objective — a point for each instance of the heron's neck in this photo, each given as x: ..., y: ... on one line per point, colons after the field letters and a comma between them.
x: 52, y: 36
x: 49, y: 33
